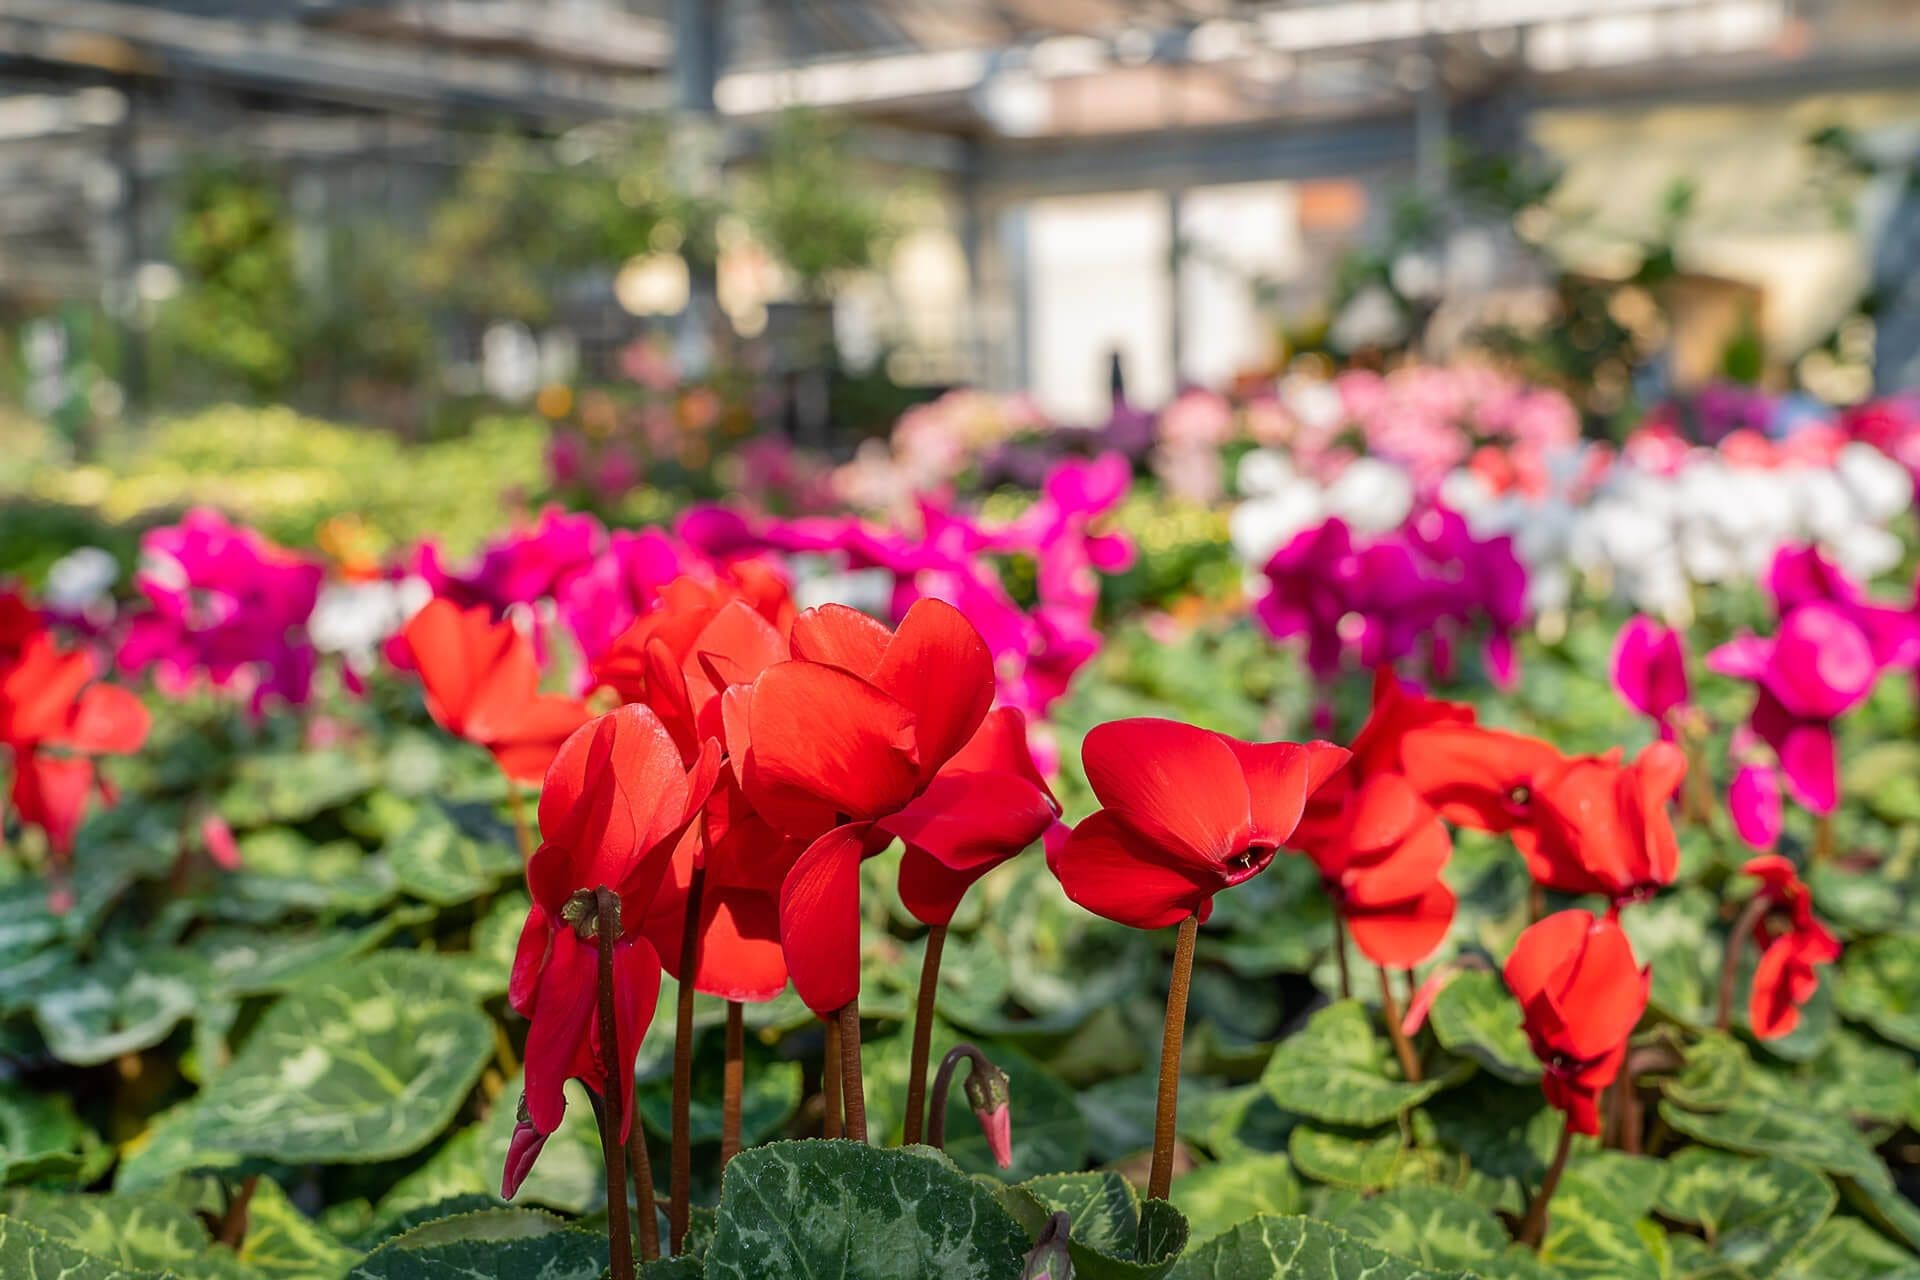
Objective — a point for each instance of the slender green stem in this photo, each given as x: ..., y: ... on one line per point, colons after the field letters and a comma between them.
x: 680, y: 1207
x: 850, y: 1079
x: 619, y: 1232
x: 1533, y: 1228
x: 923, y: 1034
x: 1160, y: 1179
x: 733, y: 1081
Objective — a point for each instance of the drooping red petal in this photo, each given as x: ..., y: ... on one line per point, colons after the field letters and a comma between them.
x: 50, y: 792
x: 840, y: 637
x: 1604, y: 993
x: 1001, y: 745
x: 1402, y: 935
x: 931, y: 891
x: 1109, y: 868
x: 563, y: 1010
x: 451, y: 648
x: 1178, y: 787
x: 818, y: 732
x: 636, y: 994
x: 938, y: 667
x: 1543, y: 949
x: 820, y: 919
x: 529, y: 958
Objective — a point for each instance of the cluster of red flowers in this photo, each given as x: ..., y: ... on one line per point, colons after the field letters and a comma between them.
x: 754, y: 756
x: 55, y: 719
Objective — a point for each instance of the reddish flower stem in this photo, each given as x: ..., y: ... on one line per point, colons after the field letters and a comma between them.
x: 640, y: 1161
x: 923, y: 1034
x: 1160, y: 1178
x: 233, y: 1223
x: 606, y: 929
x: 733, y: 1081
x: 830, y: 1092
x: 1340, y: 953
x: 943, y: 1088
x: 1822, y: 839
x: 679, y: 1210
x: 850, y: 1079
x: 521, y: 831
x: 1533, y: 1228
x: 1755, y: 912
x: 1536, y: 903
x: 1402, y: 1047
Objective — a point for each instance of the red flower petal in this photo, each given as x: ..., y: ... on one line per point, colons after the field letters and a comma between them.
x: 50, y: 792
x: 822, y: 733
x: 820, y: 919
x: 938, y: 667
x: 840, y: 637
x: 1001, y: 745
x: 1107, y: 867
x: 1279, y: 777
x: 636, y: 994
x: 106, y: 720
x: 1404, y: 934
x: 1178, y: 787
x: 525, y: 750
x: 969, y: 820
x: 1542, y: 950
x: 563, y: 1011
x: 1473, y: 775
x: 615, y: 794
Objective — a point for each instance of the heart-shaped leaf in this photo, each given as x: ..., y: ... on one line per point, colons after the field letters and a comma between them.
x: 1754, y: 1212
x: 1111, y: 1237
x: 1335, y: 1069
x: 1273, y: 1248
x: 1476, y: 1016
x: 852, y: 1211
x: 1218, y: 1196
x: 369, y: 1065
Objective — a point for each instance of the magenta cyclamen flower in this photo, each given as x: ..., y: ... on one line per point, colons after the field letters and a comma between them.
x: 519, y: 567
x: 224, y: 605
x: 1650, y: 671
x: 1831, y: 647
x: 1376, y: 601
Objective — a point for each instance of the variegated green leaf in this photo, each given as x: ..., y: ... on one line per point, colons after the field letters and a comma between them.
x: 1335, y: 1069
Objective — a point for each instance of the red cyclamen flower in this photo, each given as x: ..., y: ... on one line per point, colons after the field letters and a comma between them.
x: 843, y: 746
x: 1185, y: 813
x: 1380, y: 861
x: 1581, y: 994
x: 1482, y: 779
x: 54, y: 720
x: 482, y: 684
x: 1604, y: 827
x: 616, y: 801
x: 1786, y: 976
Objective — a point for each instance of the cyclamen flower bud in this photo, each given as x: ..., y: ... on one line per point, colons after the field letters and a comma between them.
x: 988, y: 1093
x: 522, y: 1150
x: 1049, y: 1259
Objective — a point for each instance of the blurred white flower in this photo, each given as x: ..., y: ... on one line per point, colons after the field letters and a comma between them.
x: 353, y: 618
x: 79, y: 578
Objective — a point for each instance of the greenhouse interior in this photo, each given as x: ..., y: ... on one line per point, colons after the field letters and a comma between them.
x: 960, y: 639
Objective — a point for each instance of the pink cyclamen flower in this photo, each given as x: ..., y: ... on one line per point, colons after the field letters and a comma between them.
x: 1818, y: 666
x: 226, y: 606
x: 1650, y: 671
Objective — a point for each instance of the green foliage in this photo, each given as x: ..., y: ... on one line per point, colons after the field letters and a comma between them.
x: 239, y: 306
x: 806, y: 1208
